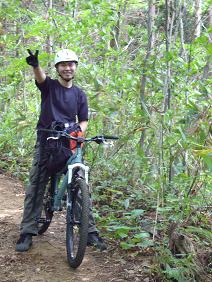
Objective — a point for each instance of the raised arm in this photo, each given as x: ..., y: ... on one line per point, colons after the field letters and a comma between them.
x: 32, y: 60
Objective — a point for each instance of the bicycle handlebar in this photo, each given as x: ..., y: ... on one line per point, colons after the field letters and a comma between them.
x: 98, y: 139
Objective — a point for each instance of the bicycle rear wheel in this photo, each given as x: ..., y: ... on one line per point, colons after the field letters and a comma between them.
x: 77, y: 222
x: 47, y: 208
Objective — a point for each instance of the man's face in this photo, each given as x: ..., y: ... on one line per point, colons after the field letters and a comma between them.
x: 66, y: 70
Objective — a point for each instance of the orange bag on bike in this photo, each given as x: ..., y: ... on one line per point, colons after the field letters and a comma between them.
x: 73, y: 143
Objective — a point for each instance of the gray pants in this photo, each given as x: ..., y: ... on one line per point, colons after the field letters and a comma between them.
x: 39, y: 176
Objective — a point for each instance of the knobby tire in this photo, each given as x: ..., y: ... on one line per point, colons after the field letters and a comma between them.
x: 77, y: 224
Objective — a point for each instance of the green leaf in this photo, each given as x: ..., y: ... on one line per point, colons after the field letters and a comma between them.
x: 136, y: 212
x: 203, y: 233
x: 168, y: 56
x: 182, y: 133
x: 126, y: 246
x: 145, y: 244
x: 142, y: 235
x: 206, y: 155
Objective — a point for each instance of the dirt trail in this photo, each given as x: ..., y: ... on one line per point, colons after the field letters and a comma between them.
x: 46, y: 261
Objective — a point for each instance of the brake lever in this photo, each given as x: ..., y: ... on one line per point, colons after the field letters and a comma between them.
x: 98, y: 139
x: 108, y: 143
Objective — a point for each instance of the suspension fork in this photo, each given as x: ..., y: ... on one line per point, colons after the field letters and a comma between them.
x: 80, y: 169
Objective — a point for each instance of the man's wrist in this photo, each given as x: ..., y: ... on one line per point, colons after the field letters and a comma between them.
x: 35, y: 66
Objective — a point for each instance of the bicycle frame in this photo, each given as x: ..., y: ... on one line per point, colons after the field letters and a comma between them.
x: 75, y: 161
x: 74, y: 187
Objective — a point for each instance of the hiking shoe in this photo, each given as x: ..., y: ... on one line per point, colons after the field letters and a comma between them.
x: 24, y: 243
x: 95, y: 240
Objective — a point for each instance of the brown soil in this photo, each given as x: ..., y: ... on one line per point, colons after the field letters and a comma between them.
x: 46, y: 260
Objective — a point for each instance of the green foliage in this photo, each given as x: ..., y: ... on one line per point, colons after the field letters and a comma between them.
x: 160, y: 168
x: 181, y: 270
x: 202, y: 233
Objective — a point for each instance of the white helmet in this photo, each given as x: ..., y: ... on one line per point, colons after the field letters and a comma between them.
x: 65, y: 55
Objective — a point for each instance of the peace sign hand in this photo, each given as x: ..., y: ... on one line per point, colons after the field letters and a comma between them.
x: 32, y: 60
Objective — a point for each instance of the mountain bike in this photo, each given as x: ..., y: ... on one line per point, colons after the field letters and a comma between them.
x: 71, y: 189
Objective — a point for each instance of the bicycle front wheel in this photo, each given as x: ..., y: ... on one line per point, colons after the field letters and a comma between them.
x: 77, y: 222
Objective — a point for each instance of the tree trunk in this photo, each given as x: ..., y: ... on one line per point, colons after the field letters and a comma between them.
x: 208, y: 67
x: 151, y: 36
x: 198, y: 12
x: 150, y: 25
x: 49, y: 38
x: 182, y: 8
x: 75, y: 10
x: 115, y: 33
x: 169, y: 27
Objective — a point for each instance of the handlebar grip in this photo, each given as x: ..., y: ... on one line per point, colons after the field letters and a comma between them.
x: 110, y: 137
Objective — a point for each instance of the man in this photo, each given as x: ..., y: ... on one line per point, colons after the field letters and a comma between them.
x: 63, y: 102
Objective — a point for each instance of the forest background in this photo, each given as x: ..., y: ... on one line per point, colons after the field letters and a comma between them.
x: 146, y: 68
